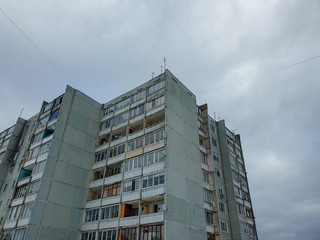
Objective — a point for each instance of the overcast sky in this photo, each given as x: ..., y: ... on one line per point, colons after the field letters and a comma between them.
x: 231, y: 54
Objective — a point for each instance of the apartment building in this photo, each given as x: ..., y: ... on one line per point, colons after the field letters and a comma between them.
x: 150, y: 164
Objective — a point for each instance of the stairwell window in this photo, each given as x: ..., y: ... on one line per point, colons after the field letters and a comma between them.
x: 207, y: 196
x: 205, y: 176
x: 209, y: 217
x: 224, y: 226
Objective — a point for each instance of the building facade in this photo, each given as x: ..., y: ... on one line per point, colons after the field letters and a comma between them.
x: 150, y: 164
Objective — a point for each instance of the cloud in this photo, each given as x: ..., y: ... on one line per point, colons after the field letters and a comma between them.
x: 106, y: 48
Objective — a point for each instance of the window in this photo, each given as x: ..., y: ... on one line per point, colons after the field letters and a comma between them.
x: 214, y: 142
x: 108, y: 110
x: 210, y: 236
x: 207, y: 196
x: 132, y: 163
x: 26, y: 210
x: 213, y: 130
x: 224, y: 226
x: 154, y: 157
x: 235, y: 176
x: 209, y: 217
x: 1, y: 156
x: 91, y: 215
x: 13, y: 184
x: 34, y: 187
x: 243, y: 181
x: 45, y: 147
x: 244, y: 228
x: 34, y: 152
x: 222, y: 207
x: 112, y: 190
x: 237, y: 191
x: 131, y: 185
x: 88, y: 236
x: 221, y: 190
x: 138, y: 96
x: 129, y: 233
x: 156, y: 87
x: 54, y: 115
x: 19, y: 234
x: 155, y: 102
x: 241, y: 209
x: 58, y: 100
x: 135, y: 143
x: 153, y: 180
x: 205, y: 176
x: 113, y: 170
x: 117, y: 150
x: 0, y: 203
x: 43, y: 121
x: 137, y: 110
x: 201, y: 126
x: 5, y: 187
x: 232, y: 160
x: 215, y: 157
x: 200, y: 112
x: 47, y: 107
x: 6, y: 142
x: 240, y: 166
x: 123, y: 103
x: 218, y: 172
x: 20, y: 192
x: 105, y: 124
x: 107, y: 235
x: 14, y: 213
x: 245, y: 196
x: 100, y: 156
x: 204, y: 158
x: 39, y: 167
x: 151, y: 232
x: 109, y: 212
x: 154, y: 137
x: 37, y: 138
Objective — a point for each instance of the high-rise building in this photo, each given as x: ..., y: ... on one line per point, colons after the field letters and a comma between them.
x: 148, y: 165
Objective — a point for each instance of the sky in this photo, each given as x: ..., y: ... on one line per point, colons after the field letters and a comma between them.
x: 256, y: 64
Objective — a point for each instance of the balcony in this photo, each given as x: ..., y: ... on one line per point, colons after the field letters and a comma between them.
x: 152, y: 218
x: 109, y: 223
x: 23, y: 221
x: 153, y: 168
x: 129, y: 221
x: 131, y: 196
x: 153, y: 192
x: 113, y: 179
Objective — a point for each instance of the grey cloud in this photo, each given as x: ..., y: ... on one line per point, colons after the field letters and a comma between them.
x: 109, y: 47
